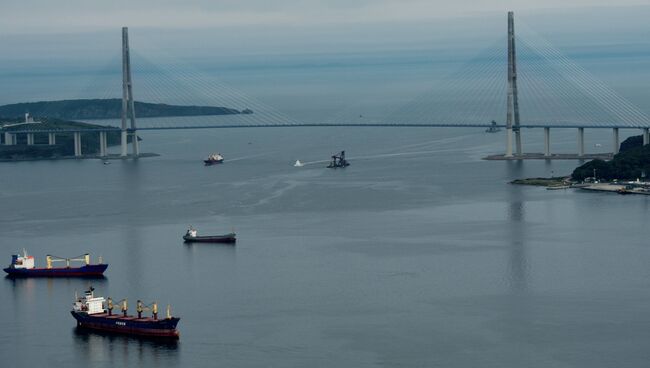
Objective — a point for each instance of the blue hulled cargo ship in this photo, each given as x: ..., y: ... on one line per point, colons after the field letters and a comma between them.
x: 23, y: 266
x: 90, y: 313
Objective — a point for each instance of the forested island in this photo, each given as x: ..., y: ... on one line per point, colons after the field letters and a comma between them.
x: 89, y: 109
x: 632, y: 162
x: 64, y: 115
x: 64, y: 141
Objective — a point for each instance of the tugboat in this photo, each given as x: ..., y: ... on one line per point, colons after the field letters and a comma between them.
x: 338, y: 161
x: 90, y: 313
x: 214, y: 158
x: 23, y: 266
x: 192, y: 237
x: 493, y: 128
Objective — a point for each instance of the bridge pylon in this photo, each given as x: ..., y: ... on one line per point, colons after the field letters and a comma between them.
x: 512, y: 116
x: 128, y: 106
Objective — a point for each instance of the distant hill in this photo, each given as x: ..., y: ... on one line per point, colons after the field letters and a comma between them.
x: 106, y: 109
x: 629, y: 164
x: 64, y: 141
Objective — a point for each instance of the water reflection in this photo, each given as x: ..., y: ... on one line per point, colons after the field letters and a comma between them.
x: 132, y: 233
x: 96, y: 346
x: 517, y: 260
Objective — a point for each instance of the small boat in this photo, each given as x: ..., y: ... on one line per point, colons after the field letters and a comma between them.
x: 96, y: 313
x: 493, y: 128
x: 192, y: 237
x: 23, y: 266
x: 214, y: 158
x: 338, y: 161
x: 298, y: 164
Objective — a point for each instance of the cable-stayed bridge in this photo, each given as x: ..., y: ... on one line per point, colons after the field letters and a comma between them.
x: 528, y: 84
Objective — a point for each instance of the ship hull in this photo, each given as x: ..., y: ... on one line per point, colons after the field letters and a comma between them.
x: 212, y: 162
x: 228, y: 238
x: 83, y: 271
x: 148, y: 327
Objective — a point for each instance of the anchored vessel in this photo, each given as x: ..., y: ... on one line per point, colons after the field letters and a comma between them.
x: 192, y: 237
x: 338, y: 161
x: 214, y: 158
x: 493, y: 128
x: 23, y: 265
x: 90, y: 313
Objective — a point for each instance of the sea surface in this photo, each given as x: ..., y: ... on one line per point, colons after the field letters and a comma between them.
x: 420, y: 254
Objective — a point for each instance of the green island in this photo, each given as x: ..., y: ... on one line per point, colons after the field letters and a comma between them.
x: 64, y: 146
x: 543, y: 182
x: 90, y: 109
x: 62, y: 115
x: 631, y: 163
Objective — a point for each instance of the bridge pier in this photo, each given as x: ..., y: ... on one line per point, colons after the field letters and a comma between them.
x: 135, y: 144
x: 615, y: 141
x: 30, y: 139
x: 51, y: 139
x: 508, y: 142
x: 646, y: 136
x: 77, y: 144
x: 123, y: 143
x: 520, y: 152
x: 581, y: 142
x: 547, y: 141
x: 102, y: 144
x: 10, y: 139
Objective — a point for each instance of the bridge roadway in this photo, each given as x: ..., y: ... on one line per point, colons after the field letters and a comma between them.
x: 305, y: 125
x: 10, y: 135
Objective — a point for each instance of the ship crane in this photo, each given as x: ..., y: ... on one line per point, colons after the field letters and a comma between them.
x: 82, y: 258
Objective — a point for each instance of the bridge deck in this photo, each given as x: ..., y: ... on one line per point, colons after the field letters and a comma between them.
x: 342, y: 125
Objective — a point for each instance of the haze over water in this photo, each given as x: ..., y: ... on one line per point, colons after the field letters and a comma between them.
x: 418, y: 254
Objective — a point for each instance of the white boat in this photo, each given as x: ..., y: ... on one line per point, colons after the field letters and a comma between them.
x: 214, y: 158
x: 298, y: 164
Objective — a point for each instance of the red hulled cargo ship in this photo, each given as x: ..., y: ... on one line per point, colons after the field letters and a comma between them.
x: 23, y: 266
x: 90, y: 313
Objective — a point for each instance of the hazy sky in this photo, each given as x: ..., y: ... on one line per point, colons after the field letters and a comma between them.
x: 322, y: 48
x: 35, y: 16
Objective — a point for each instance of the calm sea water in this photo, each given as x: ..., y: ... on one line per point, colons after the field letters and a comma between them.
x: 419, y: 254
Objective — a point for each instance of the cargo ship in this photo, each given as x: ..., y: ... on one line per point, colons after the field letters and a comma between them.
x: 23, y: 266
x: 192, y: 237
x: 96, y: 313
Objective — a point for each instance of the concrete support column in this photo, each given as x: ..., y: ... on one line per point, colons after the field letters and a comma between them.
x: 520, y: 152
x: 136, y: 145
x: 615, y: 141
x: 646, y: 136
x: 51, y: 139
x: 10, y: 139
x: 581, y: 142
x: 30, y: 139
x: 77, y: 144
x: 123, y: 142
x: 547, y: 141
x: 509, y: 142
x: 102, y: 144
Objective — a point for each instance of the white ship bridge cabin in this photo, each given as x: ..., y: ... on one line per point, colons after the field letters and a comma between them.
x: 24, y: 261
x: 89, y: 303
